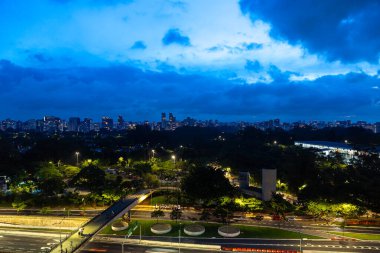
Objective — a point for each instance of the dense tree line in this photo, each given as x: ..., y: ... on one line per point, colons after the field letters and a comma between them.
x: 305, y: 172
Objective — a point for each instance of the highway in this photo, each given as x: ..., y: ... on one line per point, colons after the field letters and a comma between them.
x: 75, y: 241
x: 310, y: 246
x: 28, y: 242
x: 129, y: 248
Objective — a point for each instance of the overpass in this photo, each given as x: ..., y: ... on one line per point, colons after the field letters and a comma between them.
x: 74, y: 241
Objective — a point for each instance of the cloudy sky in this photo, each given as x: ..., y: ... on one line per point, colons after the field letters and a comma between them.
x: 221, y: 59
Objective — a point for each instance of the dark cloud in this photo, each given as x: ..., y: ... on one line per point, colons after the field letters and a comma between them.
x: 175, y: 36
x: 346, y: 30
x: 139, y: 45
x: 30, y: 92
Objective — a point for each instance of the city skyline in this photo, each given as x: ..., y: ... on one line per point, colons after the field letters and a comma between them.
x: 166, y: 122
x: 259, y: 60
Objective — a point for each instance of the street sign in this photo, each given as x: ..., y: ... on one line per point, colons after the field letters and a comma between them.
x: 132, y: 228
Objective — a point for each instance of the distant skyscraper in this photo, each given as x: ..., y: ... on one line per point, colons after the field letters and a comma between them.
x: 30, y: 125
x: 40, y: 125
x: 74, y: 123
x: 120, y: 123
x: 107, y: 123
x: 377, y: 127
x: 86, y: 125
x: 171, y: 118
x: 52, y: 124
x: 163, y: 120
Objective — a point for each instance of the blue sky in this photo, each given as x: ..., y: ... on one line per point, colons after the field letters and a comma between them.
x: 229, y: 60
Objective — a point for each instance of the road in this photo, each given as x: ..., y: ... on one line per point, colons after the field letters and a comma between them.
x: 75, y: 241
x: 310, y: 246
x: 128, y: 248
x: 16, y: 241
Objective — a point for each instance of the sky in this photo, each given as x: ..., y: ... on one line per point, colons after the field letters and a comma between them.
x: 230, y: 60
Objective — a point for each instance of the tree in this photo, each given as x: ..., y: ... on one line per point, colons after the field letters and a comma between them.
x: 176, y: 214
x: 19, y: 205
x: 157, y: 214
x: 52, y: 186
x: 205, y: 215
x: 91, y: 177
x: 206, y: 183
x: 222, y: 213
x: 280, y: 205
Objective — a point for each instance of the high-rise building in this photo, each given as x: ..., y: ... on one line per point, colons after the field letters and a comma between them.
x: 107, y: 123
x: 86, y: 125
x: 163, y: 120
x: 8, y: 124
x: 377, y: 127
x: 52, y: 124
x: 120, y: 123
x: 30, y: 125
x: 40, y: 125
x: 171, y: 118
x: 74, y: 123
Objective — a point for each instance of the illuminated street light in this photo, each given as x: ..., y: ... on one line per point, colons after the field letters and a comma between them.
x: 153, y: 151
x: 275, y: 142
x: 77, y: 154
x: 173, y: 157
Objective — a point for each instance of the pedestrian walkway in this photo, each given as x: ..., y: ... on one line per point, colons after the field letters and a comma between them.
x: 75, y: 240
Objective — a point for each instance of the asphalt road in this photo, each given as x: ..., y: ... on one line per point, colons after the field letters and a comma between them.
x: 11, y: 243
x: 312, y: 246
x: 116, y: 248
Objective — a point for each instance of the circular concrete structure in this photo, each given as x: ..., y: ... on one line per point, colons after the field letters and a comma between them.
x: 194, y: 230
x: 119, y: 225
x: 229, y: 231
x: 161, y: 228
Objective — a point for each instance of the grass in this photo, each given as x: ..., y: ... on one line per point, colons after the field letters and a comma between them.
x: 159, y: 200
x: 212, y: 230
x: 359, y: 236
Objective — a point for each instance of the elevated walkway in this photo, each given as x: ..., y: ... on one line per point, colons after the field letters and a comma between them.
x: 74, y: 241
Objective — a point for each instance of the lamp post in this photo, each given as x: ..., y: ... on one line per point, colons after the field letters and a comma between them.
x: 153, y: 151
x: 60, y: 234
x: 299, y: 232
x: 179, y: 238
x: 173, y: 157
x: 77, y: 154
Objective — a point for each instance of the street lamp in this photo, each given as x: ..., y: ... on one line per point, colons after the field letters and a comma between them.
x: 173, y: 157
x: 77, y: 154
x: 153, y: 151
x: 179, y: 238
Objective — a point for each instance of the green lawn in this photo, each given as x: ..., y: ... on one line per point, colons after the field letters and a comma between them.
x: 358, y: 235
x: 212, y: 231
x: 159, y: 200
